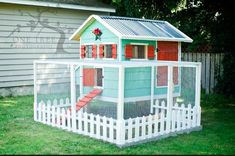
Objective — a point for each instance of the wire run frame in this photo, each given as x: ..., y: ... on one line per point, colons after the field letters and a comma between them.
x: 167, y: 115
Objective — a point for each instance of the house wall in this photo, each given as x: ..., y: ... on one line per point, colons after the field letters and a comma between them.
x: 30, y: 33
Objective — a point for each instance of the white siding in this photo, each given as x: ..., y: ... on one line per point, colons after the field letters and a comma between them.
x: 35, y: 39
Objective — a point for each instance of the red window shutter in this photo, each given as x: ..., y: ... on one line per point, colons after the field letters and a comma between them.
x: 150, y: 52
x: 88, y: 76
x: 128, y: 51
x: 83, y: 51
x: 94, y: 51
x: 114, y: 51
x: 101, y: 50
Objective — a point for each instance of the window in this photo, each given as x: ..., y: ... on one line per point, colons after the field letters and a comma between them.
x: 88, y: 51
x: 138, y: 52
x: 108, y: 51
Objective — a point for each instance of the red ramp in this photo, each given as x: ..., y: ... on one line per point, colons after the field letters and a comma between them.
x: 86, y: 99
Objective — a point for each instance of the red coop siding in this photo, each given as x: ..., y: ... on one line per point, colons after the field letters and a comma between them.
x: 167, y: 51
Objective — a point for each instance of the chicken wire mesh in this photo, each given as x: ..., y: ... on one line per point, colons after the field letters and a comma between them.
x: 106, y: 80
x: 187, y: 85
x: 53, y: 82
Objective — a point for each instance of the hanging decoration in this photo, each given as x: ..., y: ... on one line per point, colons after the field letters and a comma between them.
x: 97, y: 33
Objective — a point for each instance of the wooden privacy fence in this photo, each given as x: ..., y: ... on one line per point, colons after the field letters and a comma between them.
x: 211, y: 67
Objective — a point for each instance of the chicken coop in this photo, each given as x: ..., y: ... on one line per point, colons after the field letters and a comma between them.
x: 129, y: 85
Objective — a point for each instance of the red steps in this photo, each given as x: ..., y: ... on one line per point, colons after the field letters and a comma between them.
x: 87, y: 98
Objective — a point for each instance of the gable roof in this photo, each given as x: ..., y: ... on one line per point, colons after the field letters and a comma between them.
x: 135, y: 28
x: 79, y: 5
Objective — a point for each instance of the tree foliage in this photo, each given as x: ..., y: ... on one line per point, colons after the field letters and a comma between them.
x: 207, y: 22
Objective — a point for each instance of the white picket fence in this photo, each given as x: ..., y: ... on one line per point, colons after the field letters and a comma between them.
x: 58, y: 115
x: 133, y: 130
x: 147, y: 127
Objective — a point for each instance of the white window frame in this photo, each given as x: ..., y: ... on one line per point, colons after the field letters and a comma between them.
x: 145, y: 51
x: 107, y: 43
x: 88, y: 44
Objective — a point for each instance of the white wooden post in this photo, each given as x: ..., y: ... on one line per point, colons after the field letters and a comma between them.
x: 92, y: 123
x: 104, y: 128
x: 81, y: 95
x: 40, y: 112
x: 152, y: 89
x: 120, y: 107
x: 162, y: 120
x: 35, y: 91
x: 137, y: 129
x: 53, y: 115
x: 73, y: 96
x: 198, y: 93
x: 111, y: 129
x: 43, y: 113
x: 81, y: 81
x: 169, y: 98
x: 129, y: 121
x: 183, y: 116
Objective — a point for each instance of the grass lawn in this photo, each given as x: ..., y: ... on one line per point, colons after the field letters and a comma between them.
x: 19, y: 134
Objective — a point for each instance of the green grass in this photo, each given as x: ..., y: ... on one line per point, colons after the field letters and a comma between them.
x: 19, y: 134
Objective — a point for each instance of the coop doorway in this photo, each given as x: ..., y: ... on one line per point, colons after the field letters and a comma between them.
x: 93, y: 77
x: 98, y: 78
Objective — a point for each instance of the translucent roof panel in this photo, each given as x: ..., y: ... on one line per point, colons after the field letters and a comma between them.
x: 142, y: 27
x: 137, y: 28
x: 116, y: 24
x: 169, y: 29
x: 159, y: 32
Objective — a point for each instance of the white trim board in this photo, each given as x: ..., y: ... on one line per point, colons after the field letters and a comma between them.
x: 59, y: 5
x: 133, y: 99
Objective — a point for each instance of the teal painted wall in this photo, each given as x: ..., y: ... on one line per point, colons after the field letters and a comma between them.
x: 138, y: 83
x: 107, y: 36
x: 110, y: 83
x: 125, y: 41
